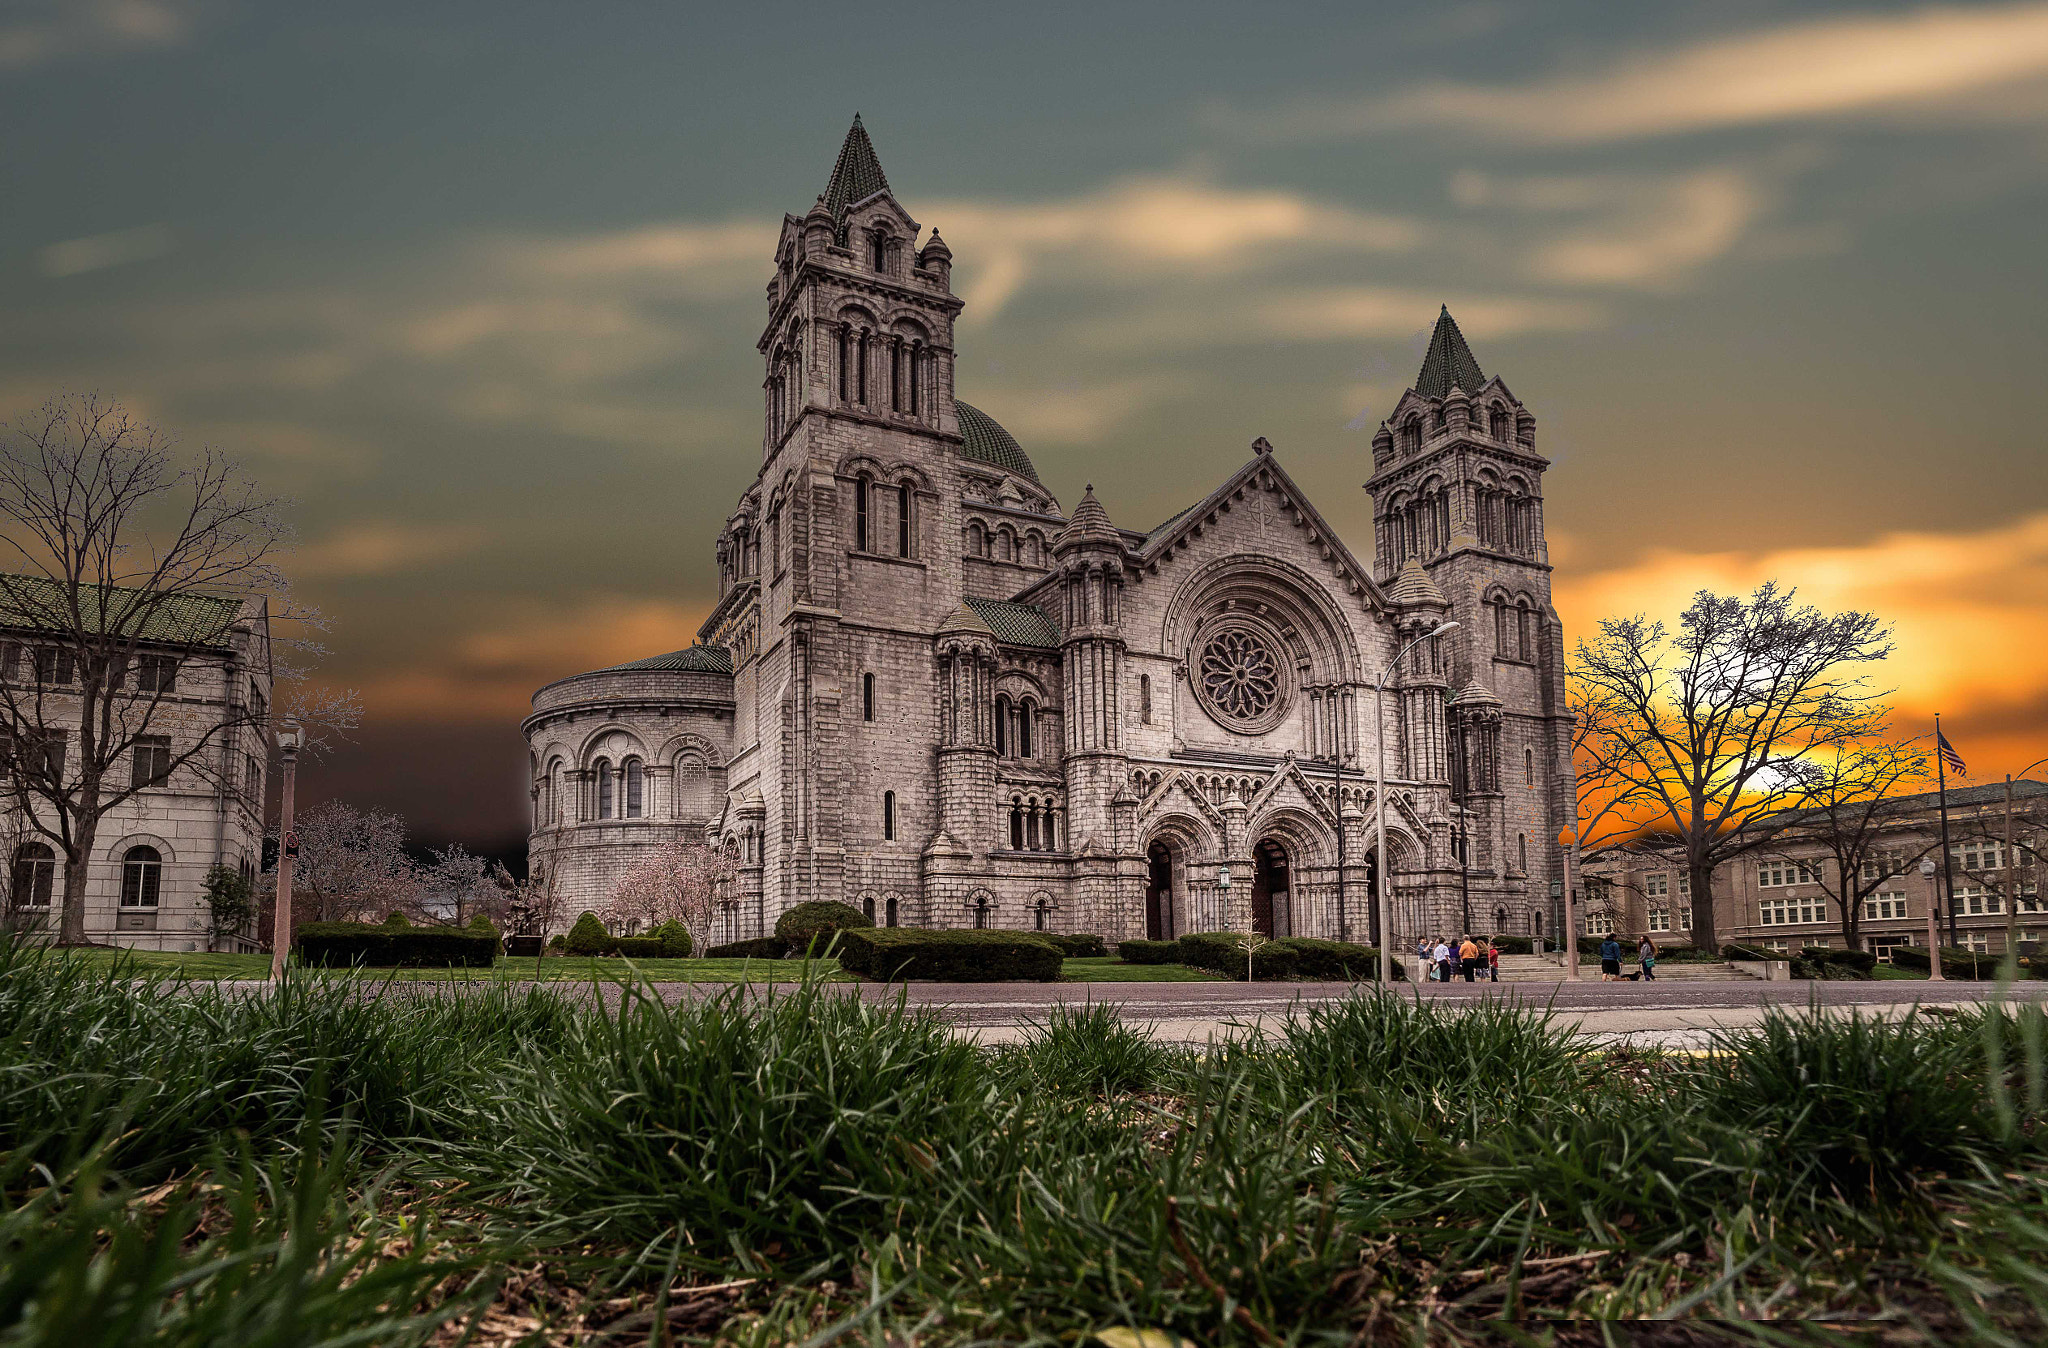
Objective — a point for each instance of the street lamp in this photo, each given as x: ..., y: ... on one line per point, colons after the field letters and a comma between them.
x: 289, y: 738
x: 1383, y: 874
x: 1927, y: 868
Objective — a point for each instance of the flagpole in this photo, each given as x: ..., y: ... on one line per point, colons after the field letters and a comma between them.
x: 1948, y: 874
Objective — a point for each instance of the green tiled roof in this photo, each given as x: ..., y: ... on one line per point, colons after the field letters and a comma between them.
x: 856, y: 177
x: 987, y: 442
x: 1172, y: 520
x: 1018, y: 624
x: 699, y: 659
x: 179, y: 619
x: 1448, y: 361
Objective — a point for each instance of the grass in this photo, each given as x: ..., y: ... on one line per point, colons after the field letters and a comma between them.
x: 1109, y: 969
x: 206, y: 1166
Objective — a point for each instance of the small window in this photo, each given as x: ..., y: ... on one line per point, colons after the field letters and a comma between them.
x: 903, y: 521
x: 1002, y: 726
x: 1145, y: 698
x: 1529, y: 767
x: 604, y: 789
x: 1016, y: 827
x: 888, y: 816
x: 252, y: 778
x: 878, y: 251
x: 860, y: 515
x: 889, y: 910
x: 142, y: 872
x: 867, y: 697
x: 152, y: 760
x: 54, y: 664
x: 1523, y: 839
x: 35, y: 875
x: 636, y: 788
x: 1026, y: 714
x: 867, y: 908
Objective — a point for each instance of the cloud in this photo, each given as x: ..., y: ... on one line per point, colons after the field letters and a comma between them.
x: 673, y: 249
x: 1670, y: 233
x: 1193, y: 227
x: 1969, y: 609
x: 1077, y: 413
x: 48, y: 31
x: 375, y: 548
x: 1931, y: 59
x: 75, y: 257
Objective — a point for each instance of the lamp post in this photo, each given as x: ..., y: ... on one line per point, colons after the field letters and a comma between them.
x: 1927, y: 868
x: 1383, y: 874
x: 288, y: 739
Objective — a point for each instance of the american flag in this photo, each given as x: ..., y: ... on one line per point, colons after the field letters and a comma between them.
x: 1949, y: 755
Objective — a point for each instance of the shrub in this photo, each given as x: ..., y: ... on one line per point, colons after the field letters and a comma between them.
x: 394, y: 918
x: 558, y: 944
x: 588, y: 937
x: 1222, y: 952
x: 1148, y: 952
x: 638, y: 947
x: 1956, y: 962
x: 816, y: 923
x: 342, y: 944
x: 1333, y: 959
x: 758, y: 948
x: 1514, y: 945
x: 1749, y: 952
x: 1830, y: 963
x: 675, y: 940
x: 888, y: 953
x: 1082, y: 947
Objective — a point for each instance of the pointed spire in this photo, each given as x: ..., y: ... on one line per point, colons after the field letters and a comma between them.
x: 857, y: 176
x: 1089, y: 521
x: 1449, y: 363
x: 1413, y: 586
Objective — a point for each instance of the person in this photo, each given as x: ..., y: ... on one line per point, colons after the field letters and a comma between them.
x: 1443, y: 961
x: 1426, y: 964
x: 1646, y: 954
x: 1468, y: 955
x: 1492, y: 961
x: 1457, y: 961
x: 1610, y: 960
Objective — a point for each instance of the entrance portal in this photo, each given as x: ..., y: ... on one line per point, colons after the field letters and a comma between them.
x: 1270, y: 913
x: 1159, y: 893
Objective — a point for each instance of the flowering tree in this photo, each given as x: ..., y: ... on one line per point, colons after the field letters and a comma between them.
x: 677, y: 882
x: 352, y: 863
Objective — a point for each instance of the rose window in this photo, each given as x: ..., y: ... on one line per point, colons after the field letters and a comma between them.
x: 1240, y: 677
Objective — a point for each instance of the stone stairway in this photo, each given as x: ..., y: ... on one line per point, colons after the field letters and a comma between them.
x: 1550, y: 969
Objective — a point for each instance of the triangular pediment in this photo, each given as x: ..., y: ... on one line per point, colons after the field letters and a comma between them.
x: 1290, y: 787
x: 1177, y: 794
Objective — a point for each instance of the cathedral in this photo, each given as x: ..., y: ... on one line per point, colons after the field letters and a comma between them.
x: 931, y: 690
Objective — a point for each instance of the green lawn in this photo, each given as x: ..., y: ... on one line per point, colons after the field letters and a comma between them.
x: 1103, y: 969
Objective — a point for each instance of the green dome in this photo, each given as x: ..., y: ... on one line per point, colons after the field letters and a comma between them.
x: 987, y: 442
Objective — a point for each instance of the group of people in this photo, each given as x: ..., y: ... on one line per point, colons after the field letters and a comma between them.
x: 1610, y: 961
x: 1445, y: 959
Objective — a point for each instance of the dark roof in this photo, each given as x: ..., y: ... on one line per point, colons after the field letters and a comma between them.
x: 174, y: 619
x: 1449, y: 361
x: 1991, y: 793
x: 698, y: 659
x: 1018, y: 624
x: 856, y: 177
x: 985, y: 441
x: 1172, y: 520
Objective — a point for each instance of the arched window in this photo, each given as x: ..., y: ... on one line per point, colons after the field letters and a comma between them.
x: 860, y: 514
x: 981, y: 909
x: 1497, y: 422
x: 636, y: 789
x: 1031, y: 826
x: 1039, y: 912
x: 35, y: 876
x: 142, y: 873
x: 903, y: 520
x: 845, y: 342
x: 1528, y: 766
x: 977, y: 538
x: 1411, y: 433
x: 861, y: 370
x: 1016, y: 825
x: 604, y: 788
x: 1525, y: 627
x: 916, y: 375
x: 867, y: 908
x: 878, y: 250
x: 1002, y: 725
x: 1026, y: 714
x: 1503, y: 641
x: 1522, y: 840
x: 867, y: 697
x: 889, y: 911
x: 888, y: 816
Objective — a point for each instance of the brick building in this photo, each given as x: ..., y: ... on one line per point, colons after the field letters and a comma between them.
x: 930, y: 690
x: 1789, y: 894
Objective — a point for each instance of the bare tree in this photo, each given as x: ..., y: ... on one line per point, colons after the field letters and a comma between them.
x: 132, y: 578
x: 463, y: 881
x: 1855, y: 809
x: 352, y: 863
x: 1717, y: 727
x: 679, y: 882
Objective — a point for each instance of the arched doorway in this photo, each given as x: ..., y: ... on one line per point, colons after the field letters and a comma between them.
x: 1159, y: 893
x: 1270, y: 911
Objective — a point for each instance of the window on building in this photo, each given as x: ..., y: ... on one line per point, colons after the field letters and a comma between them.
x: 636, y: 788
x: 867, y: 908
x: 1528, y: 767
x: 1884, y: 907
x: 845, y: 340
x: 1031, y: 826
x: 142, y: 870
x: 1016, y: 825
x: 1978, y: 900
x: 1145, y: 698
x: 1599, y: 924
x: 888, y: 816
x: 2029, y: 898
x: 152, y: 760
x: 1525, y: 628
x: 889, y: 910
x: 1882, y: 866
x: 903, y: 521
x: 252, y: 779
x: 35, y: 876
x: 860, y: 515
x: 604, y: 788
x: 1977, y: 941
x: 1657, y: 886
x: 867, y: 697
x: 156, y: 673
x: 1660, y: 919
x: 981, y: 911
x: 878, y: 251
x: 1522, y: 842
x: 1792, y: 912
x: 1026, y: 715
x: 259, y: 709
x: 1773, y: 874
x: 1978, y: 855
x: 1002, y: 725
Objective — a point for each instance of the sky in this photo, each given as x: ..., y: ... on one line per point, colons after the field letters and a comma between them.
x: 477, y: 286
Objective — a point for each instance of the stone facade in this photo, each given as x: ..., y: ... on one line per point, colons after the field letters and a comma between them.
x: 928, y: 691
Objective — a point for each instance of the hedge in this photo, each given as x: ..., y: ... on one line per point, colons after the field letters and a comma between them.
x: 1334, y: 960
x: 1082, y: 947
x: 1222, y: 952
x: 1957, y: 962
x: 587, y: 937
x: 888, y: 953
x: 638, y: 947
x: 1148, y: 952
x: 756, y: 948
x: 675, y: 940
x: 334, y: 945
x: 1514, y: 945
x: 1750, y: 952
x: 818, y: 922
x: 1833, y: 963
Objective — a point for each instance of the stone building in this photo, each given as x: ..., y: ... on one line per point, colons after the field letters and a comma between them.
x: 930, y: 690
x: 196, y: 759
x: 1788, y: 894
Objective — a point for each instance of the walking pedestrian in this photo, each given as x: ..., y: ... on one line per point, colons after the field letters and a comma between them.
x: 1468, y: 955
x: 1492, y: 961
x: 1646, y: 955
x: 1443, y: 960
x: 1610, y: 960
